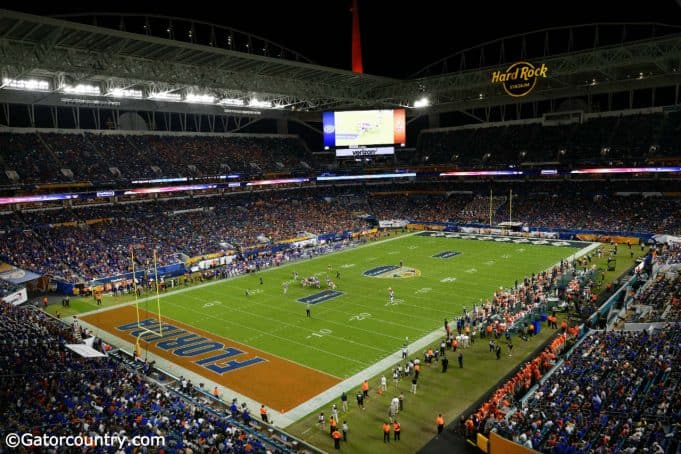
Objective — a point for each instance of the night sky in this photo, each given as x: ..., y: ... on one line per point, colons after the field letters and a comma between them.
x: 398, y: 38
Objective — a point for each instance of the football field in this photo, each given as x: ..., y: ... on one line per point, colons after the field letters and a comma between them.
x: 356, y: 324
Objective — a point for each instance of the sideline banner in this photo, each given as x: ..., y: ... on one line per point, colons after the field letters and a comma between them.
x: 393, y: 223
x: 608, y: 238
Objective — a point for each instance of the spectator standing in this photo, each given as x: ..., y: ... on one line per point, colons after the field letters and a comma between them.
x: 360, y: 400
x: 440, y: 424
x: 336, y: 435
x: 344, y: 400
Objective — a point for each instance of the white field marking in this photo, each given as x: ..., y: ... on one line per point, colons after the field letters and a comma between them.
x: 448, y: 279
x: 360, y: 316
x: 394, y: 302
x: 393, y: 252
x: 347, y: 303
x: 406, y: 315
x: 348, y: 265
x: 277, y: 321
x: 490, y: 262
x: 219, y: 281
x: 412, y: 247
x: 320, y: 333
x: 371, y: 259
x: 522, y: 249
x: 423, y: 290
x: 506, y: 256
x: 471, y: 270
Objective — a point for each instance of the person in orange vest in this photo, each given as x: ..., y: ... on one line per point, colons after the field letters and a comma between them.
x: 563, y: 326
x: 45, y: 302
x: 263, y: 413
x: 440, y: 424
x: 396, y: 429
x: 386, y: 432
x: 216, y: 392
x: 365, y: 389
x: 333, y: 425
x: 336, y: 435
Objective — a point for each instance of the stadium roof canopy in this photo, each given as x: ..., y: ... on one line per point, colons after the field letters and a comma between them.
x: 154, y: 72
x: 68, y: 52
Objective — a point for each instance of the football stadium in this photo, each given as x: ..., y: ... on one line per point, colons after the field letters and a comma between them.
x: 210, y: 243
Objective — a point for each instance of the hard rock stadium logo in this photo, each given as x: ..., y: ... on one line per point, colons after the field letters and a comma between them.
x: 520, y: 78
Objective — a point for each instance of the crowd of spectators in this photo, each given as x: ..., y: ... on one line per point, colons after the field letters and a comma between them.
x: 63, y: 244
x: 657, y: 301
x: 416, y: 207
x: 607, y: 213
x: 90, y: 156
x: 627, y: 140
x: 560, y: 209
x: 48, y: 389
x: 616, y: 392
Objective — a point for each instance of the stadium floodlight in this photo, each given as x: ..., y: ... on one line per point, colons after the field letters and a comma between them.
x: 232, y: 102
x: 255, y: 102
x: 199, y: 98
x: 166, y: 96
x: 125, y: 93
x: 82, y: 89
x: 420, y: 103
x: 26, y: 84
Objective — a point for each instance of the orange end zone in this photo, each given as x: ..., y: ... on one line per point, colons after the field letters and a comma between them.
x: 276, y: 382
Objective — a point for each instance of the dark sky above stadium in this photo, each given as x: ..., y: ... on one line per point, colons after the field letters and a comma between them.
x: 398, y: 38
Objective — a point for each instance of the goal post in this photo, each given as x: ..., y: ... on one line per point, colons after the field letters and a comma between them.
x: 143, y: 328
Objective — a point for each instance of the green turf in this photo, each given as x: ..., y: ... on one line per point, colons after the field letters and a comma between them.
x: 351, y: 332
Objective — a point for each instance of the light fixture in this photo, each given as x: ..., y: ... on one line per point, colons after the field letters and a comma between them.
x: 199, y: 98
x: 420, y: 103
x: 26, y: 84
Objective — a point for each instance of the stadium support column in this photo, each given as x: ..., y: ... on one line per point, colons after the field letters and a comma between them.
x: 282, y: 126
x: 433, y: 120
